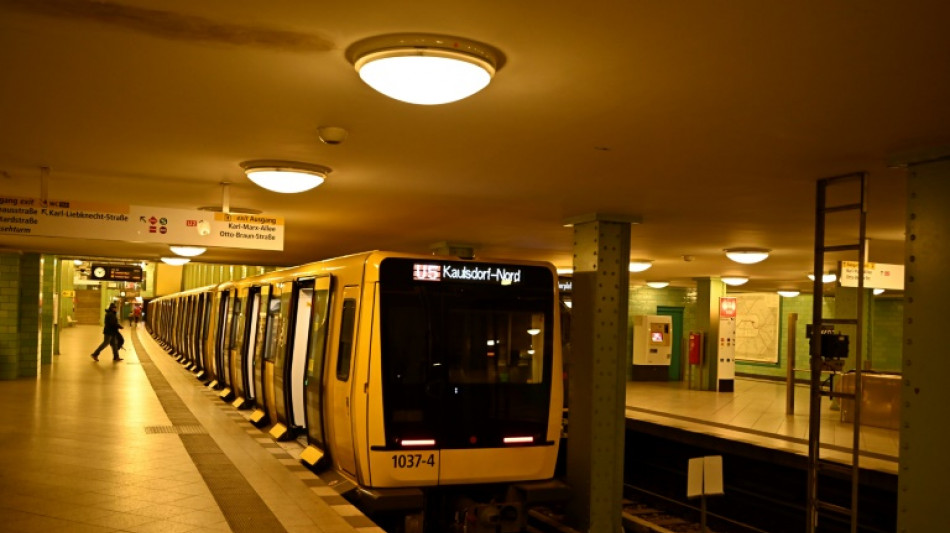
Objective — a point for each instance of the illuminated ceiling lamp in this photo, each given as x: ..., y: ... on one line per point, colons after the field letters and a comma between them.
x: 658, y: 284
x: 187, y: 251
x: 423, y: 68
x: 175, y: 261
x: 747, y: 256
x: 825, y: 278
x: 789, y: 294
x: 639, y: 265
x: 734, y: 281
x: 878, y: 292
x: 285, y: 176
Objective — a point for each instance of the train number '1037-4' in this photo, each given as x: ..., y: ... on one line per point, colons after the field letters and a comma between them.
x: 413, y: 460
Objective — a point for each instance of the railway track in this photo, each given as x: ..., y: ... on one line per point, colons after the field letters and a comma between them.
x: 637, y: 517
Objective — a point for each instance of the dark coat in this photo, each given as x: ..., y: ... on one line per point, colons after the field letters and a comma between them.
x: 112, y: 323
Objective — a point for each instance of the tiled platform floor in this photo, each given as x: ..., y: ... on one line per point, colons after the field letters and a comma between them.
x: 84, y: 450
x: 755, y: 413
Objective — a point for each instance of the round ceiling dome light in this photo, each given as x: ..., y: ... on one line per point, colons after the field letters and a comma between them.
x: 788, y: 293
x: 734, y: 281
x: 747, y: 256
x: 285, y: 176
x: 175, y: 261
x: 424, y: 69
x: 187, y: 251
x: 639, y: 265
x: 658, y: 284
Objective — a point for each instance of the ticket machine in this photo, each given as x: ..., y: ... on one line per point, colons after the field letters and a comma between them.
x: 652, y: 347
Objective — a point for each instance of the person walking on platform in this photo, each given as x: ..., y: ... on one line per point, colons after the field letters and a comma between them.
x: 110, y: 335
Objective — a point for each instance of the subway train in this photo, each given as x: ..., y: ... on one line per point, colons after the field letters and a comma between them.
x: 433, y: 385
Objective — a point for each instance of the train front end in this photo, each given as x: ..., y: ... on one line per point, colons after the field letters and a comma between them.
x: 466, y: 368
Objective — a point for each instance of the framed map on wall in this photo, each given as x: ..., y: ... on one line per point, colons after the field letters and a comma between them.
x: 757, y: 321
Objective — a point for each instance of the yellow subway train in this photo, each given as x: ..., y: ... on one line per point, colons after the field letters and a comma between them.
x: 428, y: 382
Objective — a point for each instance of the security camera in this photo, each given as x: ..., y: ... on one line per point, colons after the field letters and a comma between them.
x: 332, y: 135
x: 204, y: 228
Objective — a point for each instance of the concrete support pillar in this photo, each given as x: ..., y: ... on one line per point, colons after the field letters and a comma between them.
x: 168, y: 279
x: 598, y: 370
x: 49, y: 265
x: 65, y: 289
x: 28, y: 320
x: 708, y: 292
x: 925, y: 396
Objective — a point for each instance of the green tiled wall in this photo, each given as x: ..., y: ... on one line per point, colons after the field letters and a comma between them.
x: 196, y: 275
x: 886, y: 328
x: 645, y: 300
x: 27, y: 282
x: 29, y: 316
x: 886, y: 336
x: 9, y: 303
x: 802, y: 306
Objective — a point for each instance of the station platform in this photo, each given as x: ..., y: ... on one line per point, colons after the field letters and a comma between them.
x: 756, y: 414
x: 141, y: 446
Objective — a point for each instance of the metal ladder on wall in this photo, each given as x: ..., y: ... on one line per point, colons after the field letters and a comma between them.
x: 816, y: 465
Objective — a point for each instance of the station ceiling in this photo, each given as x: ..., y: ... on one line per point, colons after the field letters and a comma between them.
x: 710, y: 120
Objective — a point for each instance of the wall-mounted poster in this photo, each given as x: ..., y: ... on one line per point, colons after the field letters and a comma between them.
x: 757, y: 321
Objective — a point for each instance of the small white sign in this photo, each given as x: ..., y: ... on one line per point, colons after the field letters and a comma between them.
x: 704, y: 477
x: 694, y: 478
x: 876, y: 275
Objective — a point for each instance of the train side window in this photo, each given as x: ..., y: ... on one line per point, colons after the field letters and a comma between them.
x: 237, y: 324
x: 345, y: 350
x: 272, y: 329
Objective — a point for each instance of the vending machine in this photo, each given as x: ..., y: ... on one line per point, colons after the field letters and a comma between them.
x: 652, y: 347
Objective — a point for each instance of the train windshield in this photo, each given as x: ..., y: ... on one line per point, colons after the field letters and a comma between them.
x: 466, y: 352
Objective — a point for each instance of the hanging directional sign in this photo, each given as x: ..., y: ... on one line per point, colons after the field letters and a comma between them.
x: 131, y: 273
x: 876, y: 275
x: 134, y: 223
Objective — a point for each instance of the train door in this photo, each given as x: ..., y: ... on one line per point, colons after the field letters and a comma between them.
x: 188, y: 326
x: 238, y: 343
x: 202, y: 332
x: 316, y: 359
x: 274, y: 330
x: 194, y: 331
x: 250, y: 348
x: 283, y: 359
x: 341, y: 390
x: 194, y: 325
x: 180, y: 326
x: 295, y: 363
x: 222, y: 336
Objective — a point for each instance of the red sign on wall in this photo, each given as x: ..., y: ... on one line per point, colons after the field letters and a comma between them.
x: 727, y: 308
